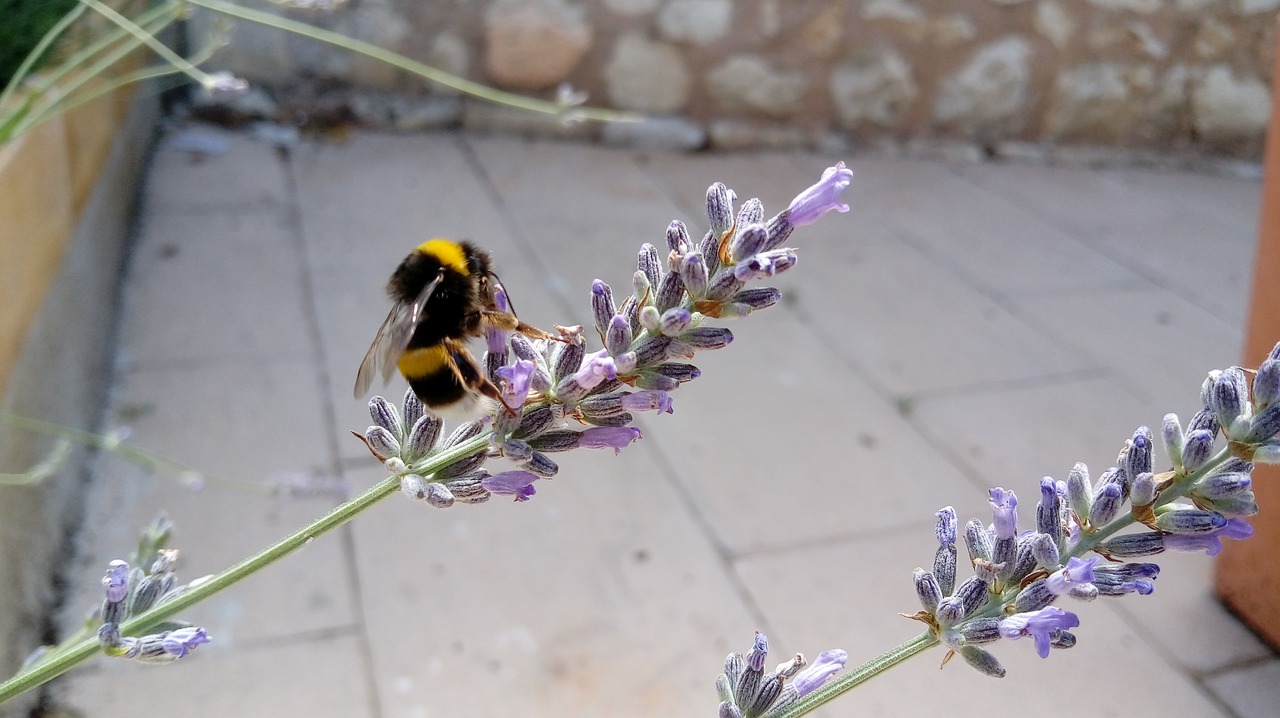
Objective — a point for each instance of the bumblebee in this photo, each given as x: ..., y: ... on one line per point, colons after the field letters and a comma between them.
x: 443, y: 293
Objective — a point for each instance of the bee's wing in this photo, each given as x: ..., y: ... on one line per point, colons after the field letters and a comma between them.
x: 392, y: 338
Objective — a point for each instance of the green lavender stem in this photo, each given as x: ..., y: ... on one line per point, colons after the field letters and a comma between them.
x: 64, y: 658
x: 849, y: 680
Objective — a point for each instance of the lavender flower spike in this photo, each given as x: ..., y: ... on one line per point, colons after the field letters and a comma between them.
x: 1040, y: 625
x: 809, y: 206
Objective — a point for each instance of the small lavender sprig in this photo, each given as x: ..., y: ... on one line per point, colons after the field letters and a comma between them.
x: 130, y: 592
x: 1019, y: 576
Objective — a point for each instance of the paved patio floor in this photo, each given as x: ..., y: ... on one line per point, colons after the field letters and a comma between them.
x: 964, y: 326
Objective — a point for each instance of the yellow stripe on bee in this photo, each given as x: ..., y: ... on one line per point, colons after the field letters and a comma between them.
x: 423, y: 361
x: 448, y: 252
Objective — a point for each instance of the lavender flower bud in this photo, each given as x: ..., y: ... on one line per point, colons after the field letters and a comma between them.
x: 381, y: 442
x: 980, y: 630
x: 769, y: 690
x: 1264, y: 425
x: 678, y: 237
x: 977, y: 541
x: 720, y: 208
x: 944, y: 567
x: 722, y: 286
x: 1138, y: 455
x: 1084, y: 592
x: 972, y: 593
x: 1045, y: 551
x: 707, y: 337
x: 1048, y: 514
x: 1228, y: 396
x: 423, y: 436
x: 462, y: 466
x: 1034, y: 597
x: 779, y: 230
x: 413, y: 409
x: 1024, y: 561
x: 728, y: 710
x: 675, y: 321
x: 385, y: 415
x: 149, y: 589
x: 758, y: 298
x: 536, y: 421
x: 1266, y: 384
x: 602, y: 306
x: 1062, y: 639
x: 1144, y: 489
x: 1106, y: 504
x: 649, y: 263
x: 464, y: 432
x: 1190, y: 521
x: 109, y: 633
x: 945, y: 529
x: 617, y: 336
x: 751, y: 212
x: 470, y: 489
x: 670, y: 291
x: 748, y: 241
x: 982, y: 660
x: 568, y: 359
x: 652, y: 350
x: 927, y: 590
x: 710, y: 252
x: 1079, y: 491
x: 651, y: 320
x: 1204, y: 419
x: 438, y: 495
x: 522, y: 348
x: 656, y: 382
x: 1197, y: 449
x: 693, y: 270
x: 679, y: 371
x: 558, y: 440
x: 1147, y: 543
x: 1171, y: 432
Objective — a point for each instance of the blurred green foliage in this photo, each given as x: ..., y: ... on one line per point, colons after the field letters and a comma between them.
x: 22, y: 24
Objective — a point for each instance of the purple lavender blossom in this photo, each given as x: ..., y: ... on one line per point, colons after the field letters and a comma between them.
x: 1078, y: 571
x: 1040, y: 625
x: 516, y: 382
x: 648, y: 400
x: 1004, y: 505
x: 809, y: 206
x: 512, y: 483
x: 609, y: 437
x: 826, y: 665
x: 183, y: 641
x: 116, y: 583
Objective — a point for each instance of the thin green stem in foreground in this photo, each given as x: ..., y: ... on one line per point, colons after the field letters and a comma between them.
x: 64, y: 658
x: 134, y: 454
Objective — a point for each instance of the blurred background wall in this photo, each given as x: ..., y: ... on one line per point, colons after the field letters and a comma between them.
x: 1184, y: 74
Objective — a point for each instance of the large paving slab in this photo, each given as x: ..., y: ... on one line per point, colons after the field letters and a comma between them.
x: 964, y: 326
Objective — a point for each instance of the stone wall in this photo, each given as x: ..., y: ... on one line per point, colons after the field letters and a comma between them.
x: 1168, y: 74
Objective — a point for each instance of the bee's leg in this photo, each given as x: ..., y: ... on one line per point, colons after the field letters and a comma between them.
x: 511, y: 323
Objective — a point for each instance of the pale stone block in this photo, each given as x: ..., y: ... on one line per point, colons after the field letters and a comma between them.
x: 646, y: 76
x: 698, y: 22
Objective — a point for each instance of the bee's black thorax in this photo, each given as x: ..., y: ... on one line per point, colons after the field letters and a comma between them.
x: 453, y: 309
